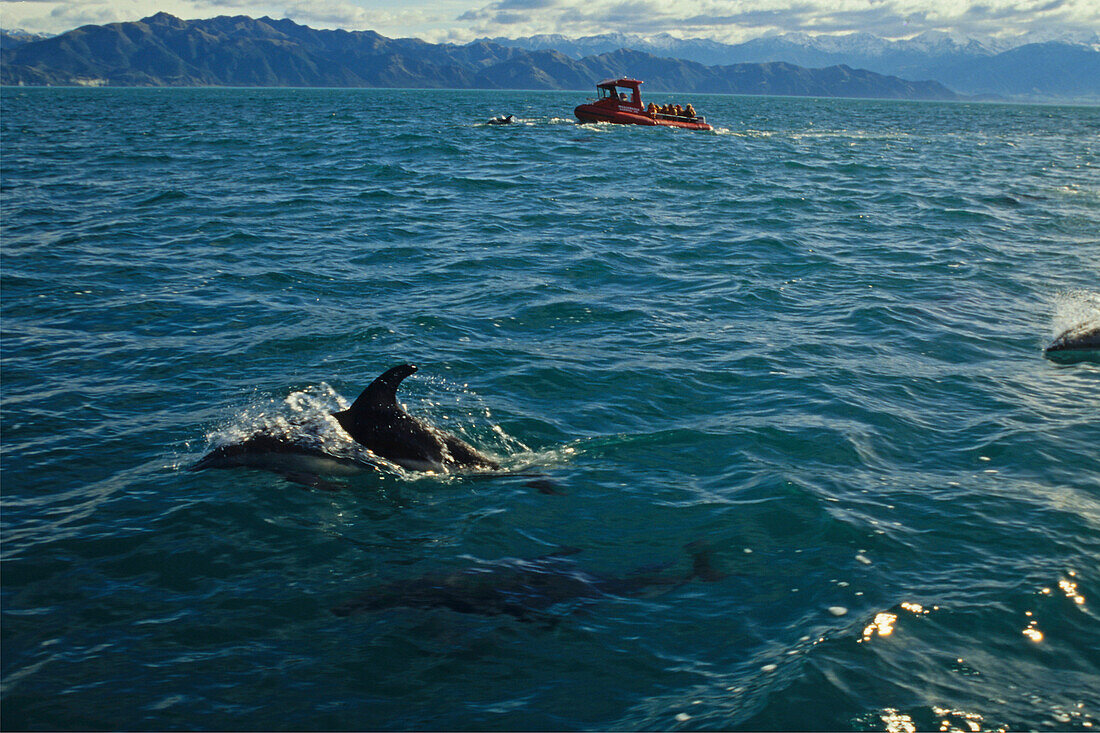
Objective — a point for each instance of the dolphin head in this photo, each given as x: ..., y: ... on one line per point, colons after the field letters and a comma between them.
x: 1080, y: 343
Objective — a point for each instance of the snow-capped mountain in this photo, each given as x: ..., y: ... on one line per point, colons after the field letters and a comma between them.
x: 16, y: 37
x: 1054, y: 65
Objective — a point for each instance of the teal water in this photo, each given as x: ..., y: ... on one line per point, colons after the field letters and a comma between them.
x: 810, y: 341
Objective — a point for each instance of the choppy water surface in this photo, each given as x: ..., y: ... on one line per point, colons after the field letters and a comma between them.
x: 809, y: 343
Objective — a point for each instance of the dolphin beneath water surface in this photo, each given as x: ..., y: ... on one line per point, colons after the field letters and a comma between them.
x: 524, y: 589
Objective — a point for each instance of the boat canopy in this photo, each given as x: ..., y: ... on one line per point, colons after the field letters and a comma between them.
x: 624, y: 82
x: 609, y: 88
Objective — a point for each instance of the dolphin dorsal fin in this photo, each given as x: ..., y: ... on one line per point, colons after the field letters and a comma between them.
x: 382, y: 392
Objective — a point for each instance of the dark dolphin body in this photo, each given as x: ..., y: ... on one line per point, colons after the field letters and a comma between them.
x: 1080, y: 343
x: 271, y: 447
x: 525, y: 589
x: 296, y: 460
x: 375, y: 421
x: 502, y: 120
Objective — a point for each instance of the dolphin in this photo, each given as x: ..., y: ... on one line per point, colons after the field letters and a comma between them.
x: 297, y: 460
x: 524, y: 589
x: 377, y: 421
x: 502, y: 120
x: 1079, y: 343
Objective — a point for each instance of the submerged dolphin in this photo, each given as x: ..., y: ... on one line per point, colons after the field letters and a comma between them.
x: 1080, y: 343
x: 525, y: 589
x: 375, y: 421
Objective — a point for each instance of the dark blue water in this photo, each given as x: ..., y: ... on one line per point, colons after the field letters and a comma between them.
x: 804, y: 349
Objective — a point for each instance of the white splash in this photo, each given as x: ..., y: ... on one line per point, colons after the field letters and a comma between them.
x: 1075, y: 309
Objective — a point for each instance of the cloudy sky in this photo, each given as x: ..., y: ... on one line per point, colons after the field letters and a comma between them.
x: 723, y: 20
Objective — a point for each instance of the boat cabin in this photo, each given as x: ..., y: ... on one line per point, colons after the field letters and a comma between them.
x: 622, y: 92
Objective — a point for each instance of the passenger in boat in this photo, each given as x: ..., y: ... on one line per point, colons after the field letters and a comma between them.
x: 690, y: 111
x: 651, y: 110
x: 679, y: 112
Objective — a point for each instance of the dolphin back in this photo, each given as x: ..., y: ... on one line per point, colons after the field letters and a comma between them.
x: 377, y: 421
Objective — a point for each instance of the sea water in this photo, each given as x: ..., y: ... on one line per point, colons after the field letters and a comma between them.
x: 809, y: 342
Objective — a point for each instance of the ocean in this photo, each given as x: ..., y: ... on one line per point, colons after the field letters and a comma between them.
x: 781, y: 448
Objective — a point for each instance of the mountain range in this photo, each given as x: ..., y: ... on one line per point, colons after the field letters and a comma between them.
x: 1034, y: 68
x: 163, y: 50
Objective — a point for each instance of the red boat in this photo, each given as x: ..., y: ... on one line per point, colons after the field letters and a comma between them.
x: 625, y: 108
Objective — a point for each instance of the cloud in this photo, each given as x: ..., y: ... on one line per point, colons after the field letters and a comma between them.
x: 526, y: 4
x: 51, y: 16
x: 328, y: 15
x: 724, y: 20
x: 390, y: 17
x: 233, y: 4
x: 54, y: 16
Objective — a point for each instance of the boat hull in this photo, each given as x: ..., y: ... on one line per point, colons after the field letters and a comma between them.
x: 598, y: 113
